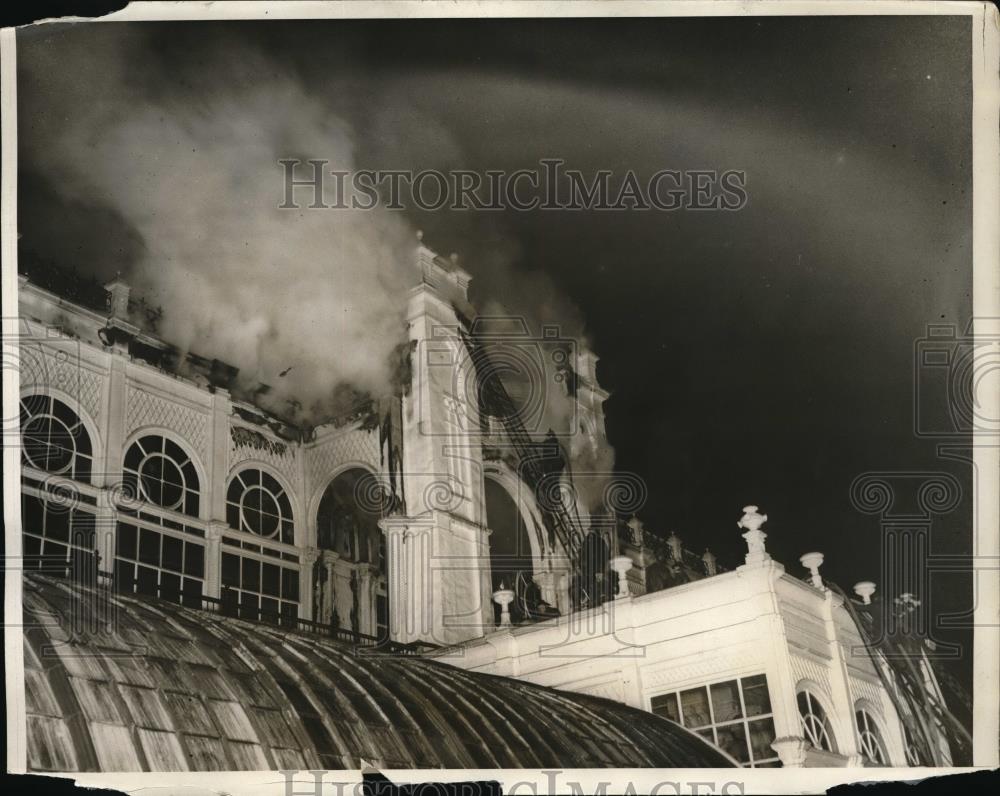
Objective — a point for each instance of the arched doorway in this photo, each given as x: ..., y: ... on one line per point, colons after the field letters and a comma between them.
x: 512, y: 559
x: 347, y: 524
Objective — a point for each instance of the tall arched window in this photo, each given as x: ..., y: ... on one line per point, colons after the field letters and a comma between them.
x: 511, y: 560
x: 815, y: 723
x: 157, y: 470
x: 155, y: 554
x: 259, y: 581
x: 256, y: 503
x: 348, y: 515
x: 347, y: 523
x: 54, y: 438
x: 870, y: 739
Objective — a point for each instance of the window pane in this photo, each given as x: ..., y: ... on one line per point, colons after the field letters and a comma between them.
x: 172, y: 553
x: 269, y: 609
x: 251, y: 574
x: 694, y: 706
x: 249, y: 606
x: 31, y: 514
x: 230, y: 601
x: 192, y: 592
x: 761, y: 737
x: 732, y: 739
x: 271, y: 580
x: 194, y: 560
x: 233, y: 516
x: 57, y: 524
x: 726, y: 701
x: 663, y: 705
x: 289, y: 584
x: 146, y: 581
x: 171, y: 496
x: 755, y: 696
x: 170, y: 587
x: 149, y: 547
x: 124, y: 576
x: 230, y: 570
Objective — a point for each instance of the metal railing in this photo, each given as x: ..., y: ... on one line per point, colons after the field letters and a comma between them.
x: 224, y: 606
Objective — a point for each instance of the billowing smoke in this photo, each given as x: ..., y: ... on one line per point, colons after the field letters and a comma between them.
x: 310, y: 302
x: 305, y: 300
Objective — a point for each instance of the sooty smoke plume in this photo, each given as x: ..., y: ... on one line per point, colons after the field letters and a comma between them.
x: 310, y: 302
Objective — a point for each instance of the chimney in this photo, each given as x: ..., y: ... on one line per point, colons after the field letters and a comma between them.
x: 118, y: 291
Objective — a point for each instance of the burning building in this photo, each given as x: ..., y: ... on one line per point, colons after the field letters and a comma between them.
x: 429, y: 578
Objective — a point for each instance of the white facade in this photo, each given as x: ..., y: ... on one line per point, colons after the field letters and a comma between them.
x: 431, y: 578
x: 756, y: 620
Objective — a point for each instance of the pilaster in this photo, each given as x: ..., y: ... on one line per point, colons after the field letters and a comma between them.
x: 213, y: 558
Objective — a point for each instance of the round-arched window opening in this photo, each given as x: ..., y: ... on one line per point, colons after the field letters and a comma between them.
x: 158, y: 471
x: 54, y: 439
x: 815, y: 723
x: 348, y: 515
x: 870, y: 740
x: 256, y: 503
x: 511, y: 560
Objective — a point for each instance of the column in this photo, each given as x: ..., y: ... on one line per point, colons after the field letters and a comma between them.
x: 213, y: 558
x: 396, y: 584
x: 328, y: 561
x: 366, y: 598
x: 218, y: 465
x: 308, y: 558
x: 108, y: 473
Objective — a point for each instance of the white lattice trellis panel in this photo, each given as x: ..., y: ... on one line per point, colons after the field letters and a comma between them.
x: 351, y: 446
x: 146, y: 409
x: 807, y: 669
x: 700, y: 671
x: 57, y: 365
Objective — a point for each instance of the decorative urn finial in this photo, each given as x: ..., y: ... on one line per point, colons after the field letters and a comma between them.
x: 709, y: 559
x: 865, y: 589
x: 812, y: 562
x: 754, y: 536
x: 504, y: 597
x: 621, y: 565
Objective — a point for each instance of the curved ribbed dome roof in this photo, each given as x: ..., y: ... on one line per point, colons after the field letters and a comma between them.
x: 169, y: 688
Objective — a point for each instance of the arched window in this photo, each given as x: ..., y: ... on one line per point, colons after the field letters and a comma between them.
x: 161, y: 473
x: 258, y: 504
x: 348, y: 515
x: 815, y: 724
x: 870, y: 739
x: 54, y: 438
x: 511, y: 561
x: 155, y: 554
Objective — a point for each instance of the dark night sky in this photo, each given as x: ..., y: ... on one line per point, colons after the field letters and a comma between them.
x: 763, y: 356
